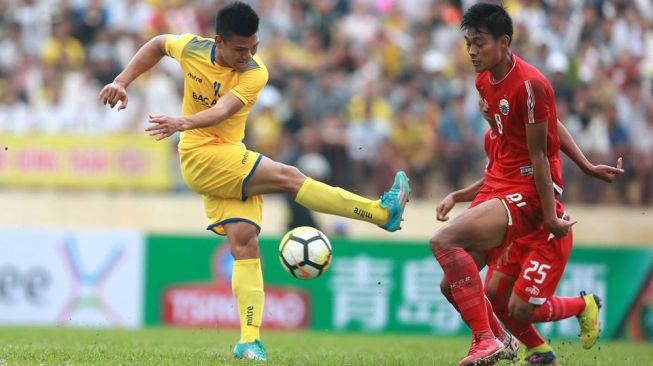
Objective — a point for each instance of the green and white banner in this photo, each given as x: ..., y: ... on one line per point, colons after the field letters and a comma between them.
x: 371, y: 287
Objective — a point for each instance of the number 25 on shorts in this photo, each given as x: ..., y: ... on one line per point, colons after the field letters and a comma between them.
x: 539, y: 269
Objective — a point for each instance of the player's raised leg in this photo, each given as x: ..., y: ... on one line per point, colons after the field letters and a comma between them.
x: 532, y: 299
x: 274, y: 177
x: 479, y: 228
x: 247, y: 287
x: 585, y: 307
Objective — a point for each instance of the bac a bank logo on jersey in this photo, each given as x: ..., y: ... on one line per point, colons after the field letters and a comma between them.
x: 504, y: 107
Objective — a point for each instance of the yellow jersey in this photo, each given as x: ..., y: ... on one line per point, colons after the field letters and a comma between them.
x: 205, y: 81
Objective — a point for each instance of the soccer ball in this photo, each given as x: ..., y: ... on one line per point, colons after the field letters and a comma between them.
x: 305, y: 252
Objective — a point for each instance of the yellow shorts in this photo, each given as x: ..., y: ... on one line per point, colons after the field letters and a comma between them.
x: 219, y: 173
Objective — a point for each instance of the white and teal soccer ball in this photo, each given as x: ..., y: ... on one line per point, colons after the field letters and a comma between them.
x: 305, y: 252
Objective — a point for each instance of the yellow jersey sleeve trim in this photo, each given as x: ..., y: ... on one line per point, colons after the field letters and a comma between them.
x: 239, y: 96
x: 250, y: 85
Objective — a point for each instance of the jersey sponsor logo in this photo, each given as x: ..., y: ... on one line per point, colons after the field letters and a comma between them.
x: 526, y: 170
x: 216, y: 89
x: 194, y: 77
x: 362, y: 213
x: 504, y: 107
x: 206, y: 101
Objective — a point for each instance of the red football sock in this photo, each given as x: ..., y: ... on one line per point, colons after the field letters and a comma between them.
x: 451, y: 300
x: 525, y: 332
x: 467, y: 289
x: 496, y: 327
x: 557, y: 308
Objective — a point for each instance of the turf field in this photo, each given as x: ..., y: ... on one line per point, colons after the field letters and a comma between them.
x: 49, y: 346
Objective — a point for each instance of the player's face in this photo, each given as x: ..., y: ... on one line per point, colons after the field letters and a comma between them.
x: 236, y: 51
x: 484, y: 51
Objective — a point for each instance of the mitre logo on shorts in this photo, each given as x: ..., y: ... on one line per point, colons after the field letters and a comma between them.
x: 245, y: 157
x: 504, y: 107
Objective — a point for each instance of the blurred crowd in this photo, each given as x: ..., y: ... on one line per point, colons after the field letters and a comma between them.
x: 358, y: 89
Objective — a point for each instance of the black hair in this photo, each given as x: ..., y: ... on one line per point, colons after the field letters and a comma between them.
x: 492, y: 17
x: 236, y: 18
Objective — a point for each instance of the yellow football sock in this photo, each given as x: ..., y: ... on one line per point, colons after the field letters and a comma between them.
x: 321, y: 197
x: 247, y: 287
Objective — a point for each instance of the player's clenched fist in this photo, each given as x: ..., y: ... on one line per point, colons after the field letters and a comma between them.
x: 112, y: 93
x: 559, y: 227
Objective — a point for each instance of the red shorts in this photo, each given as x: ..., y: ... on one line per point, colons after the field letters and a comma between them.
x: 537, y: 261
x: 524, y: 213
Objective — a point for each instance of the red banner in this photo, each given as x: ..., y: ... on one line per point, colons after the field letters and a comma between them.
x: 214, y: 306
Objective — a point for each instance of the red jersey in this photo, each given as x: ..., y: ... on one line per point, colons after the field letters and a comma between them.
x: 524, y: 96
x: 490, y: 146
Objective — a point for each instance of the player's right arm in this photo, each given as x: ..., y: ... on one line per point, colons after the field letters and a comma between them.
x: 147, y: 56
x: 466, y: 194
x: 570, y: 148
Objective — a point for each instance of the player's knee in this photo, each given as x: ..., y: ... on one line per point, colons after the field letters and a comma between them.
x: 521, y: 311
x: 440, y: 240
x: 291, y: 178
x: 244, y: 242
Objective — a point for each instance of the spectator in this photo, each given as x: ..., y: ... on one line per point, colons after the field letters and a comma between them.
x: 642, y: 138
x: 367, y: 74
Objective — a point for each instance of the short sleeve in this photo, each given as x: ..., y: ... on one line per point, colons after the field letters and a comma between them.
x: 250, y: 84
x: 175, y: 44
x: 535, y: 102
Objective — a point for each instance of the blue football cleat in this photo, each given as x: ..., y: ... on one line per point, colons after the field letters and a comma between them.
x: 395, y: 201
x: 539, y: 358
x: 250, y: 351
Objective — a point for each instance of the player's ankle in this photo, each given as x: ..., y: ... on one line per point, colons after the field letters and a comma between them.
x: 542, y: 348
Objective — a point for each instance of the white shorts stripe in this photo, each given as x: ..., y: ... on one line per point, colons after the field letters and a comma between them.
x: 508, y: 212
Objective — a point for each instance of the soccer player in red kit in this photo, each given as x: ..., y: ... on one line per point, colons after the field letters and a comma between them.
x: 513, y: 267
x: 521, y: 103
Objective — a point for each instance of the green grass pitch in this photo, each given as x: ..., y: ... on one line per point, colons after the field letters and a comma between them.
x: 159, y: 346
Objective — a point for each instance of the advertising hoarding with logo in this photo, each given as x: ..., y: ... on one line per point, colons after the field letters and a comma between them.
x: 189, y: 285
x: 371, y: 286
x: 71, y: 278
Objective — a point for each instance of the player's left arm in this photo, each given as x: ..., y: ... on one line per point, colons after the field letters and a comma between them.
x: 570, y: 148
x: 536, y: 141
x: 536, y: 112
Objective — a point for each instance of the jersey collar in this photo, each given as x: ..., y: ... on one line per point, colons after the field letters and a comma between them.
x: 514, y: 63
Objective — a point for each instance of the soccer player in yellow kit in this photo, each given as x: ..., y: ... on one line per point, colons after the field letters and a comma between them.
x: 222, y: 79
